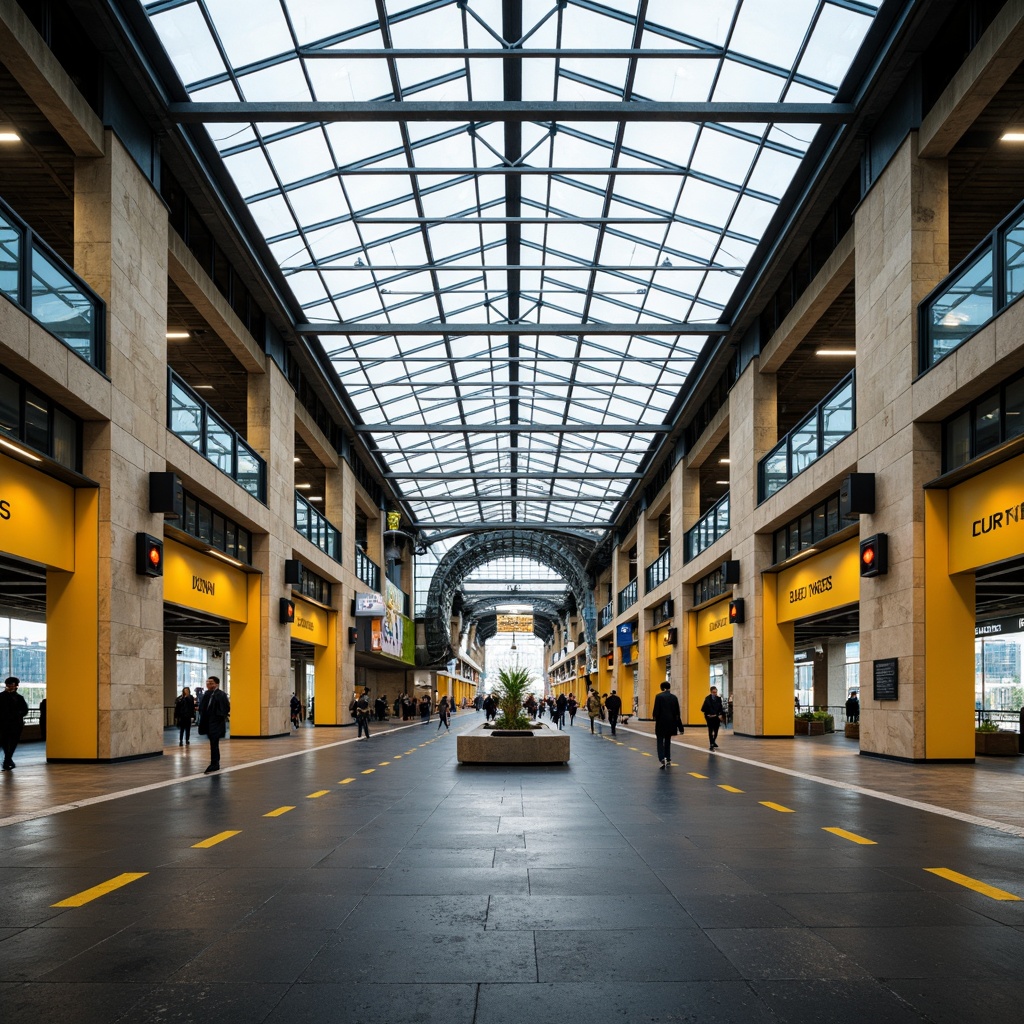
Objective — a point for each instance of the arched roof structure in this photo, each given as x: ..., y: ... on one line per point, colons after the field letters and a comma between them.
x: 567, y: 556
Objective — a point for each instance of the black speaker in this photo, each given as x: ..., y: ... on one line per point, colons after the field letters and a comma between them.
x: 166, y: 494
x: 353, y: 634
x: 286, y: 611
x: 857, y: 495
x: 731, y: 571
x: 292, y: 572
x: 671, y: 636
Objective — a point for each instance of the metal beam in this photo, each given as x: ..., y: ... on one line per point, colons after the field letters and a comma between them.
x: 477, y: 526
x: 518, y: 428
x: 485, y: 475
x: 510, y: 110
x: 680, y: 356
x: 485, y: 330
x: 506, y: 53
x: 544, y: 499
x: 479, y: 268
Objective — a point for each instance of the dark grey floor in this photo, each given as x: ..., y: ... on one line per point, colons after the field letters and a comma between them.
x: 605, y: 890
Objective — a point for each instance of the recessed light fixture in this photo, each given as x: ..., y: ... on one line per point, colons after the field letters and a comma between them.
x: 222, y: 556
x: 21, y: 451
x: 848, y: 352
x: 315, y: 497
x: 178, y: 335
x: 726, y: 482
x: 724, y: 462
x: 203, y: 387
x: 296, y: 459
x: 1012, y: 137
x: 9, y: 135
x: 303, y: 487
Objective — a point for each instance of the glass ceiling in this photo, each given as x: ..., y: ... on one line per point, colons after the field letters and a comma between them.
x: 503, y: 225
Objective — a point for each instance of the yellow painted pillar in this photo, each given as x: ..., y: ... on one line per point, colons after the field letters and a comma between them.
x: 698, y: 673
x: 948, y: 641
x: 246, y: 661
x: 72, y: 643
x: 778, y: 648
x: 325, y: 673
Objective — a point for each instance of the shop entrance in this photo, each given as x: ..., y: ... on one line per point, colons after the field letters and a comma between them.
x: 196, y: 646
x: 303, y: 679
x: 709, y: 652
x: 23, y: 638
x: 999, y: 644
x: 826, y: 662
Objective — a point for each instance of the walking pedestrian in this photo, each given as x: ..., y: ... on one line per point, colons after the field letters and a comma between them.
x: 572, y: 707
x: 214, y: 708
x: 560, y: 708
x: 613, y: 705
x: 295, y: 707
x: 362, y: 713
x: 184, y: 716
x: 594, y: 710
x: 13, y: 709
x: 713, y: 711
x: 667, y: 722
x: 444, y: 716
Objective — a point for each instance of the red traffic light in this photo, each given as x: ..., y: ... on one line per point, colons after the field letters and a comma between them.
x: 286, y: 611
x: 874, y: 555
x: 736, y: 614
x: 149, y: 555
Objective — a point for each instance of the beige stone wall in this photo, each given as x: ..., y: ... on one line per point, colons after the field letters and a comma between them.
x: 121, y: 251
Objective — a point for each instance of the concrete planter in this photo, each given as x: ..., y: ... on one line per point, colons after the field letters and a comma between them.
x: 538, y: 745
x: 852, y: 730
x: 804, y: 727
x: 996, y: 744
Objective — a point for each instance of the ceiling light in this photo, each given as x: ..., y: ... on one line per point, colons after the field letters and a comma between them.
x: 296, y: 459
x: 1012, y: 137
x: 848, y: 352
x: 21, y: 451
x: 178, y: 335
x: 724, y: 462
x: 9, y: 135
x: 726, y: 482
x: 303, y: 487
x: 202, y: 387
x: 316, y: 497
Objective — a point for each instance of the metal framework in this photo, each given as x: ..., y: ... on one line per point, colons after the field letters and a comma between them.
x: 511, y: 243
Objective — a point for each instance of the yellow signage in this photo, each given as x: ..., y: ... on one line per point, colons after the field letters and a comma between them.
x: 204, y: 583
x: 819, y: 584
x: 515, y: 623
x: 37, y: 516
x: 310, y: 623
x: 986, y: 517
x: 713, y: 624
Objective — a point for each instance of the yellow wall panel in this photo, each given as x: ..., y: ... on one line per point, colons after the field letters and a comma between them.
x: 821, y: 583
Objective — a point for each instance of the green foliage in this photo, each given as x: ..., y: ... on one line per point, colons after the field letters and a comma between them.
x: 987, y: 726
x: 819, y: 716
x: 515, y: 685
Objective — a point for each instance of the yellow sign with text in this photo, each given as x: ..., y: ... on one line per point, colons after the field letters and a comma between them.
x: 204, y: 583
x: 514, y: 623
x: 826, y: 581
x: 986, y: 517
x: 310, y: 623
x: 713, y: 624
x: 37, y: 516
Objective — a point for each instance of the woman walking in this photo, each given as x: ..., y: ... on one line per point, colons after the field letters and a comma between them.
x: 184, y: 716
x: 444, y: 714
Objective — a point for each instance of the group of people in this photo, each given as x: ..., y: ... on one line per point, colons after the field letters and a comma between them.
x: 210, y: 711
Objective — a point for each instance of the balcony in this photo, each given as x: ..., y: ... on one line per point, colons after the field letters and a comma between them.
x: 35, y: 278
x: 984, y: 284
x: 195, y: 422
x: 831, y: 420
x: 711, y: 526
x: 605, y: 616
x: 658, y: 571
x: 629, y: 595
x: 367, y: 571
x: 317, y: 528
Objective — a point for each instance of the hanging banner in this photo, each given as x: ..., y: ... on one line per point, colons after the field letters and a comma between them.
x: 514, y: 623
x: 624, y: 635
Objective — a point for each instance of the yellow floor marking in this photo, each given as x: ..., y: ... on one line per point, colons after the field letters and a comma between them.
x: 423, y: 744
x: 278, y: 812
x: 410, y: 751
x: 345, y: 782
x: 776, y: 807
x: 214, y: 840
x: 634, y: 748
x: 730, y: 789
x: 381, y: 764
x: 319, y: 792
x: 619, y: 743
x: 369, y: 771
x: 644, y: 752
x: 852, y: 836
x: 101, y: 890
x: 697, y: 775
x: 396, y: 757
x: 970, y: 883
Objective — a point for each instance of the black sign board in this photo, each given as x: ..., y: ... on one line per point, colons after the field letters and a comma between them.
x: 887, y: 679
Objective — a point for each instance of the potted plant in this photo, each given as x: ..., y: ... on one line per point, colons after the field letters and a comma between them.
x: 813, y: 723
x: 515, y: 685
x: 990, y: 741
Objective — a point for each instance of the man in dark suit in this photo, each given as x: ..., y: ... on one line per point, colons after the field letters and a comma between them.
x: 667, y: 722
x: 613, y: 705
x: 214, y: 709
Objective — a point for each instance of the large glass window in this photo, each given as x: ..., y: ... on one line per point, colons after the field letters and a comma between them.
x: 23, y: 654
x: 995, y: 418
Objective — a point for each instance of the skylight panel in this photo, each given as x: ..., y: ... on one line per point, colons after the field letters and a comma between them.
x: 710, y: 204
x: 833, y: 44
x: 706, y: 21
x: 738, y: 82
x: 300, y: 156
x: 273, y: 217
x: 772, y: 30
x: 314, y: 20
x: 345, y: 81
x: 261, y: 32
x: 684, y: 81
x: 189, y: 43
